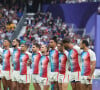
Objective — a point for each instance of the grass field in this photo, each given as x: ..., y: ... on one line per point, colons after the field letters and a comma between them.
x: 32, y: 88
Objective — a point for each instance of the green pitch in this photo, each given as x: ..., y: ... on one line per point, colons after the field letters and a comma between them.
x: 32, y: 88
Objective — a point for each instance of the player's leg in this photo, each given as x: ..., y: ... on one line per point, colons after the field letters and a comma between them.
x: 18, y: 80
x: 26, y: 86
x: 65, y: 81
x: 72, y: 80
x: 60, y: 81
x: 0, y: 83
x: 83, y: 83
x: 77, y: 76
x: 18, y: 84
x: 90, y: 87
x: 14, y: 80
x: 35, y: 86
x: 38, y: 86
x: 35, y: 80
x: 60, y: 86
x: 21, y: 86
x: 64, y: 86
x: 73, y: 85
x: 83, y: 87
x: 78, y: 85
x: 89, y: 84
x: 52, y: 85
x: 46, y: 87
x: 9, y: 83
x: 45, y: 83
x: 4, y: 81
x: 56, y: 86
x: 14, y: 85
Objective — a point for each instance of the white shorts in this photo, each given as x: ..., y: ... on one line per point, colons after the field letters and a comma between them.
x: 16, y: 76
x: 7, y: 75
x: 85, y: 81
x: 74, y: 76
x: 63, y: 78
x: 35, y: 78
x: 44, y: 81
x: 25, y: 79
x: 53, y: 76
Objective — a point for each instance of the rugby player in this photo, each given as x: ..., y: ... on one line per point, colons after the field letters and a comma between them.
x: 44, y: 61
x: 24, y: 68
x: 54, y: 63
x: 63, y: 73
x: 16, y: 64
x: 6, y: 65
x: 74, y: 60
x: 88, y: 58
x: 35, y: 66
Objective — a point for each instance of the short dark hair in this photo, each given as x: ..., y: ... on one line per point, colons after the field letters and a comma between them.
x: 37, y: 45
x: 8, y: 40
x: 66, y: 40
x: 54, y: 38
x: 85, y: 42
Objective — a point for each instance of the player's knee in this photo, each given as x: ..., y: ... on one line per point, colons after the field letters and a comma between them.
x: 73, y: 84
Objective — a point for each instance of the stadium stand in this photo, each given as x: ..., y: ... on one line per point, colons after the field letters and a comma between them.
x: 9, y: 19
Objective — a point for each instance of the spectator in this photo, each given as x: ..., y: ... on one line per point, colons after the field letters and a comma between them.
x: 8, y: 22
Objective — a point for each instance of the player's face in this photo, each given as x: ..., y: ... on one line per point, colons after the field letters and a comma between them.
x: 14, y: 43
x: 51, y: 43
x: 34, y: 48
x: 66, y: 45
x: 17, y: 43
x: 43, y: 48
x: 81, y: 45
x: 23, y: 47
x: 60, y: 48
x: 6, y: 43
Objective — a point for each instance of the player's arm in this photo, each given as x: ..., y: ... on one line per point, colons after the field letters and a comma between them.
x: 49, y: 67
x: 93, y: 64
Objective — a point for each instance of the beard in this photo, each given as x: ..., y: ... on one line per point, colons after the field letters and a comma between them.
x: 42, y: 52
x: 81, y: 48
x: 14, y: 46
x: 22, y: 51
x: 66, y: 48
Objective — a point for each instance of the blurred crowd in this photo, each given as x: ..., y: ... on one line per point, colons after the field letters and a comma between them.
x: 9, y: 18
x: 42, y: 26
x: 68, y: 1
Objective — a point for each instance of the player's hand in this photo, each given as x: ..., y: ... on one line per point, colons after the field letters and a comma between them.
x: 89, y: 78
x: 29, y: 63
